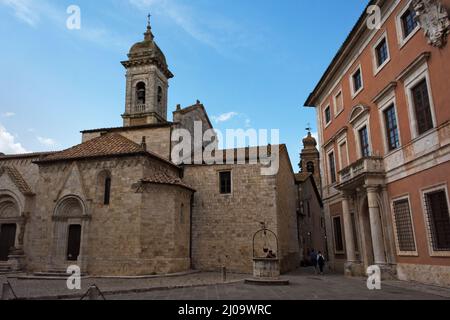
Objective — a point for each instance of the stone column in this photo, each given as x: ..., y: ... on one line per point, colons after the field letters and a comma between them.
x: 348, y: 230
x: 375, y: 226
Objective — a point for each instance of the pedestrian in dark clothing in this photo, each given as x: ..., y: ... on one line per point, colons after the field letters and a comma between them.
x: 321, y: 262
x: 313, y: 258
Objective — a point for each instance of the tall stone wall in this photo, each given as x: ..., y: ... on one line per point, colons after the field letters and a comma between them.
x: 286, y: 199
x: 223, y: 225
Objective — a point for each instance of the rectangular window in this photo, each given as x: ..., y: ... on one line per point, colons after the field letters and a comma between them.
x: 364, y: 141
x: 339, y: 102
x: 225, y: 182
x: 327, y: 115
x: 408, y: 22
x: 344, y: 155
x: 357, y: 81
x: 392, y: 135
x: 438, y: 219
x: 422, y: 107
x: 338, y: 241
x: 404, y: 226
x: 332, y: 165
x: 382, y: 52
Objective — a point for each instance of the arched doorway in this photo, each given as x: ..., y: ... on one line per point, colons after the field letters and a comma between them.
x: 69, y: 224
x: 9, y: 220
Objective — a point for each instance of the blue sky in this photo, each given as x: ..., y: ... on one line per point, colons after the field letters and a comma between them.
x: 252, y: 63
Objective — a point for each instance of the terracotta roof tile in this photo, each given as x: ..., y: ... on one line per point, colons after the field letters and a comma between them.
x: 105, y: 145
x: 164, y: 178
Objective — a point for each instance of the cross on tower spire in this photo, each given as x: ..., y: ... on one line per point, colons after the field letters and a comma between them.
x: 148, y: 34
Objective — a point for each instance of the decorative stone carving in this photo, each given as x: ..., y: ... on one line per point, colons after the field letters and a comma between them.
x: 433, y: 18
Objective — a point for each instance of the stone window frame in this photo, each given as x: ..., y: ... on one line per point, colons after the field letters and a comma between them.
x: 333, y: 219
x: 419, y: 73
x: 337, y: 111
x: 340, y: 141
x: 354, y: 92
x: 389, y: 100
x: 377, y: 68
x: 423, y: 192
x: 364, y: 121
x: 328, y: 153
x: 327, y: 124
x: 394, y: 223
x: 231, y: 182
x: 402, y: 40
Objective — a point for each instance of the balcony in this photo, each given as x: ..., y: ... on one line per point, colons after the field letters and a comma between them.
x: 359, y: 172
x: 140, y: 108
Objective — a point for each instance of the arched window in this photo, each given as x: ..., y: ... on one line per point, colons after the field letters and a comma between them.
x: 140, y: 93
x: 104, y: 187
x: 310, y: 167
x: 160, y: 95
x: 107, y: 193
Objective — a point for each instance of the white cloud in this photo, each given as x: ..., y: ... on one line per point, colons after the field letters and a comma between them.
x: 7, y: 143
x: 46, y: 141
x: 8, y: 114
x: 224, y: 117
x: 210, y: 28
x: 24, y: 10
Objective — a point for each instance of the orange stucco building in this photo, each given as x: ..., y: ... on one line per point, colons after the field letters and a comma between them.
x: 383, y: 113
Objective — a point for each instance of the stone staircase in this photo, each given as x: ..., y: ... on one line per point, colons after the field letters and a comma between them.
x: 5, y: 268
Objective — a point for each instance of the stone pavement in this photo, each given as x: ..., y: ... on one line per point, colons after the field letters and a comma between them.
x: 303, y: 287
x: 208, y: 286
x: 57, y: 288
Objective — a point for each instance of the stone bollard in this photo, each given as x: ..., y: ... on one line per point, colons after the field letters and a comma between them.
x: 224, y: 274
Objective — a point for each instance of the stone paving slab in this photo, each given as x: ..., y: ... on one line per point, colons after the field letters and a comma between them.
x: 304, y: 285
x: 56, y: 288
x: 301, y: 288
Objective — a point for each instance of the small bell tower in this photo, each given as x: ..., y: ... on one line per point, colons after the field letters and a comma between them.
x: 147, y: 83
x: 310, y: 158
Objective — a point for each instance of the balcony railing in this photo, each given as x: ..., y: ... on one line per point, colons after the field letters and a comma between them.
x: 140, y: 108
x: 370, y: 165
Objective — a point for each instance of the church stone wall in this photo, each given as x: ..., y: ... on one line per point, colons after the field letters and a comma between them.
x: 165, y: 223
x: 118, y: 234
x: 223, y: 225
x: 286, y: 199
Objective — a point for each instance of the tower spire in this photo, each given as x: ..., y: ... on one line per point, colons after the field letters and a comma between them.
x: 148, y: 34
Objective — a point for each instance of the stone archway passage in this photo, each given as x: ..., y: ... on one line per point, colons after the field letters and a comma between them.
x: 7, y: 240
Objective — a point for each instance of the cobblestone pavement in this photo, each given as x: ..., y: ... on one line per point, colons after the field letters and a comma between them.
x: 51, y: 289
x: 304, y: 285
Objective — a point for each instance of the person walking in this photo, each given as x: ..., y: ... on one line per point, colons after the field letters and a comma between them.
x: 313, y: 259
x: 321, y: 262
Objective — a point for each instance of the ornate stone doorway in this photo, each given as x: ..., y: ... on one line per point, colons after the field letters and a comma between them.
x: 70, y: 225
x: 10, y: 226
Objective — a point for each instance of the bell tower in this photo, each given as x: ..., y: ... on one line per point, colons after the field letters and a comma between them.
x: 147, y: 83
x: 310, y: 158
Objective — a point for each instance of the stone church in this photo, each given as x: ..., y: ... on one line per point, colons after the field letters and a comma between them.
x: 117, y: 204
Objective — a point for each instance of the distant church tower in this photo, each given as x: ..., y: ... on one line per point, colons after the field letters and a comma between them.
x: 147, y: 83
x: 310, y: 158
